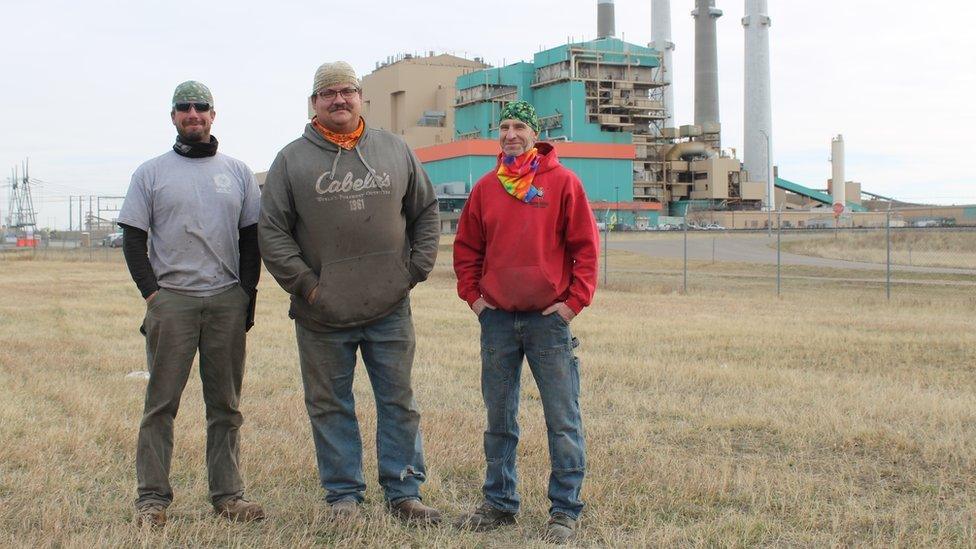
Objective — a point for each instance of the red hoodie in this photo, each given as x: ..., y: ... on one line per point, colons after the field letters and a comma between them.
x: 526, y: 256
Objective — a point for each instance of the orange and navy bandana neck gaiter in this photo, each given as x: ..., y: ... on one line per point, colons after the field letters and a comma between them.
x: 517, y: 172
x: 345, y: 140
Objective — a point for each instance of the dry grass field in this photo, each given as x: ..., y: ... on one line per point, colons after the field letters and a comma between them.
x: 920, y: 247
x: 723, y: 418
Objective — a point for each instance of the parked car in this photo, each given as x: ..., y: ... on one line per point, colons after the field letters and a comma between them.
x: 714, y: 227
x: 113, y: 240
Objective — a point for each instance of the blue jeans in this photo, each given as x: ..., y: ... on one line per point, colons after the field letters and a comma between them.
x: 547, y: 344
x: 328, y: 361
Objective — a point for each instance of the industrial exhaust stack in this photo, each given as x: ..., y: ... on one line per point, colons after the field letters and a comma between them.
x: 661, y: 41
x: 706, y: 69
x: 758, y: 127
x: 838, y: 184
x: 604, y: 19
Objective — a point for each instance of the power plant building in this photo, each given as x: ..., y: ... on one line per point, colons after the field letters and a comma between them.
x: 413, y: 96
x: 599, y: 103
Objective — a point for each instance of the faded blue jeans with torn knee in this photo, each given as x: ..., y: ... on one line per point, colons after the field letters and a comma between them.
x: 546, y: 342
x: 328, y: 361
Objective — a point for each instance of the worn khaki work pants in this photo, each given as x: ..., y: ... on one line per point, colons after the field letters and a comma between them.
x: 176, y: 326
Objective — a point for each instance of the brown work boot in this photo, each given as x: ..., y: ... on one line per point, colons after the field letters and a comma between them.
x: 345, y: 509
x: 560, y: 529
x: 153, y: 515
x: 413, y: 511
x: 240, y: 510
x: 485, y: 517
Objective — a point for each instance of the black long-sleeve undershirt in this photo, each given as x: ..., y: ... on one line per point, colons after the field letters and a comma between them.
x: 250, y: 267
x: 135, y: 248
x: 250, y: 264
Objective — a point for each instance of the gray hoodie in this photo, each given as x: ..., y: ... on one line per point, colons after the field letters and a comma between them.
x: 360, y: 224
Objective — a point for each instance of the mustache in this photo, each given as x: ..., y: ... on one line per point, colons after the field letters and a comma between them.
x: 338, y: 108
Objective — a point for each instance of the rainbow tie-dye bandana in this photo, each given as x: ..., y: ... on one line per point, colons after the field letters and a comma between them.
x: 517, y: 172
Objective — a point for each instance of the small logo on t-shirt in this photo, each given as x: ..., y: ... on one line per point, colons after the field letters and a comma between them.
x: 222, y: 183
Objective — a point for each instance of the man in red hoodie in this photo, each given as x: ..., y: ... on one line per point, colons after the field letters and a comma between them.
x: 525, y: 256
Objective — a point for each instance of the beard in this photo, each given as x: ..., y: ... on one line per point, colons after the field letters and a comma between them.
x: 190, y: 135
x: 197, y: 133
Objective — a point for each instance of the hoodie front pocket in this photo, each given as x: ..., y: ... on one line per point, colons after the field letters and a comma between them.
x: 362, y: 287
x: 525, y: 288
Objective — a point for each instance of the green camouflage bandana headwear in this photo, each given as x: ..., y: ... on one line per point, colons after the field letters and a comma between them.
x: 521, y: 110
x: 192, y: 91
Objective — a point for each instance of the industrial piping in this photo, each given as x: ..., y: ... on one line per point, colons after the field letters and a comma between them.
x: 690, y: 149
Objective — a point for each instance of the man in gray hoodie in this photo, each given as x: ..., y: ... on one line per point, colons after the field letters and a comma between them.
x: 348, y: 226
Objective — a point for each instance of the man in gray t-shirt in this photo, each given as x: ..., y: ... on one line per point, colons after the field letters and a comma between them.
x: 198, y: 210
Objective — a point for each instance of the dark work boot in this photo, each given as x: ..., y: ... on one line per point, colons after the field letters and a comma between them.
x: 414, y: 512
x: 560, y: 529
x: 485, y: 517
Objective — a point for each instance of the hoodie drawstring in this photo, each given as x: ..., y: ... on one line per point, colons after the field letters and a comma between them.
x: 376, y: 176
x: 335, y: 163
x: 359, y: 154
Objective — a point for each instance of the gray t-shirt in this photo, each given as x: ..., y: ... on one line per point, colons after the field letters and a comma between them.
x: 193, y: 210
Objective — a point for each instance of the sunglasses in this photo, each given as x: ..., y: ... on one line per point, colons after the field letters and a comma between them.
x: 184, y: 106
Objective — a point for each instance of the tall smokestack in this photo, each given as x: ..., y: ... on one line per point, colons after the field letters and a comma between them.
x: 604, y: 18
x: 838, y: 184
x: 758, y: 138
x: 706, y: 62
x: 661, y: 41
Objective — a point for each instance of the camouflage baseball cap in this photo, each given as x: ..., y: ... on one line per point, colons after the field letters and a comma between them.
x: 191, y: 91
x: 521, y: 110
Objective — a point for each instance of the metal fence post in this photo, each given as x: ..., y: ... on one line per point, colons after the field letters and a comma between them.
x: 606, y: 244
x: 685, y: 224
x: 779, y: 237
x: 888, y: 255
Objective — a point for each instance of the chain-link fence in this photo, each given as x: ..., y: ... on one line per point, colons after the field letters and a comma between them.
x: 70, y: 248
x: 692, y: 256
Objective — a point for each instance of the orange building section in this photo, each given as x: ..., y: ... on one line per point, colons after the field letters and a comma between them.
x: 489, y: 147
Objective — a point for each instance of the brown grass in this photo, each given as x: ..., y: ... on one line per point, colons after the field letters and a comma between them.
x: 720, y: 418
x: 925, y: 248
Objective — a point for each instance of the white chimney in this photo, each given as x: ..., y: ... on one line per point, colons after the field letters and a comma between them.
x: 706, y: 62
x: 838, y: 183
x: 758, y: 124
x: 661, y: 41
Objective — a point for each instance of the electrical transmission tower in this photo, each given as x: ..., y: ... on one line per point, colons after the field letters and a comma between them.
x: 21, y: 215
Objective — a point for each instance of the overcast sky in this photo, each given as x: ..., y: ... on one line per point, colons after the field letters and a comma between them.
x: 86, y: 85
